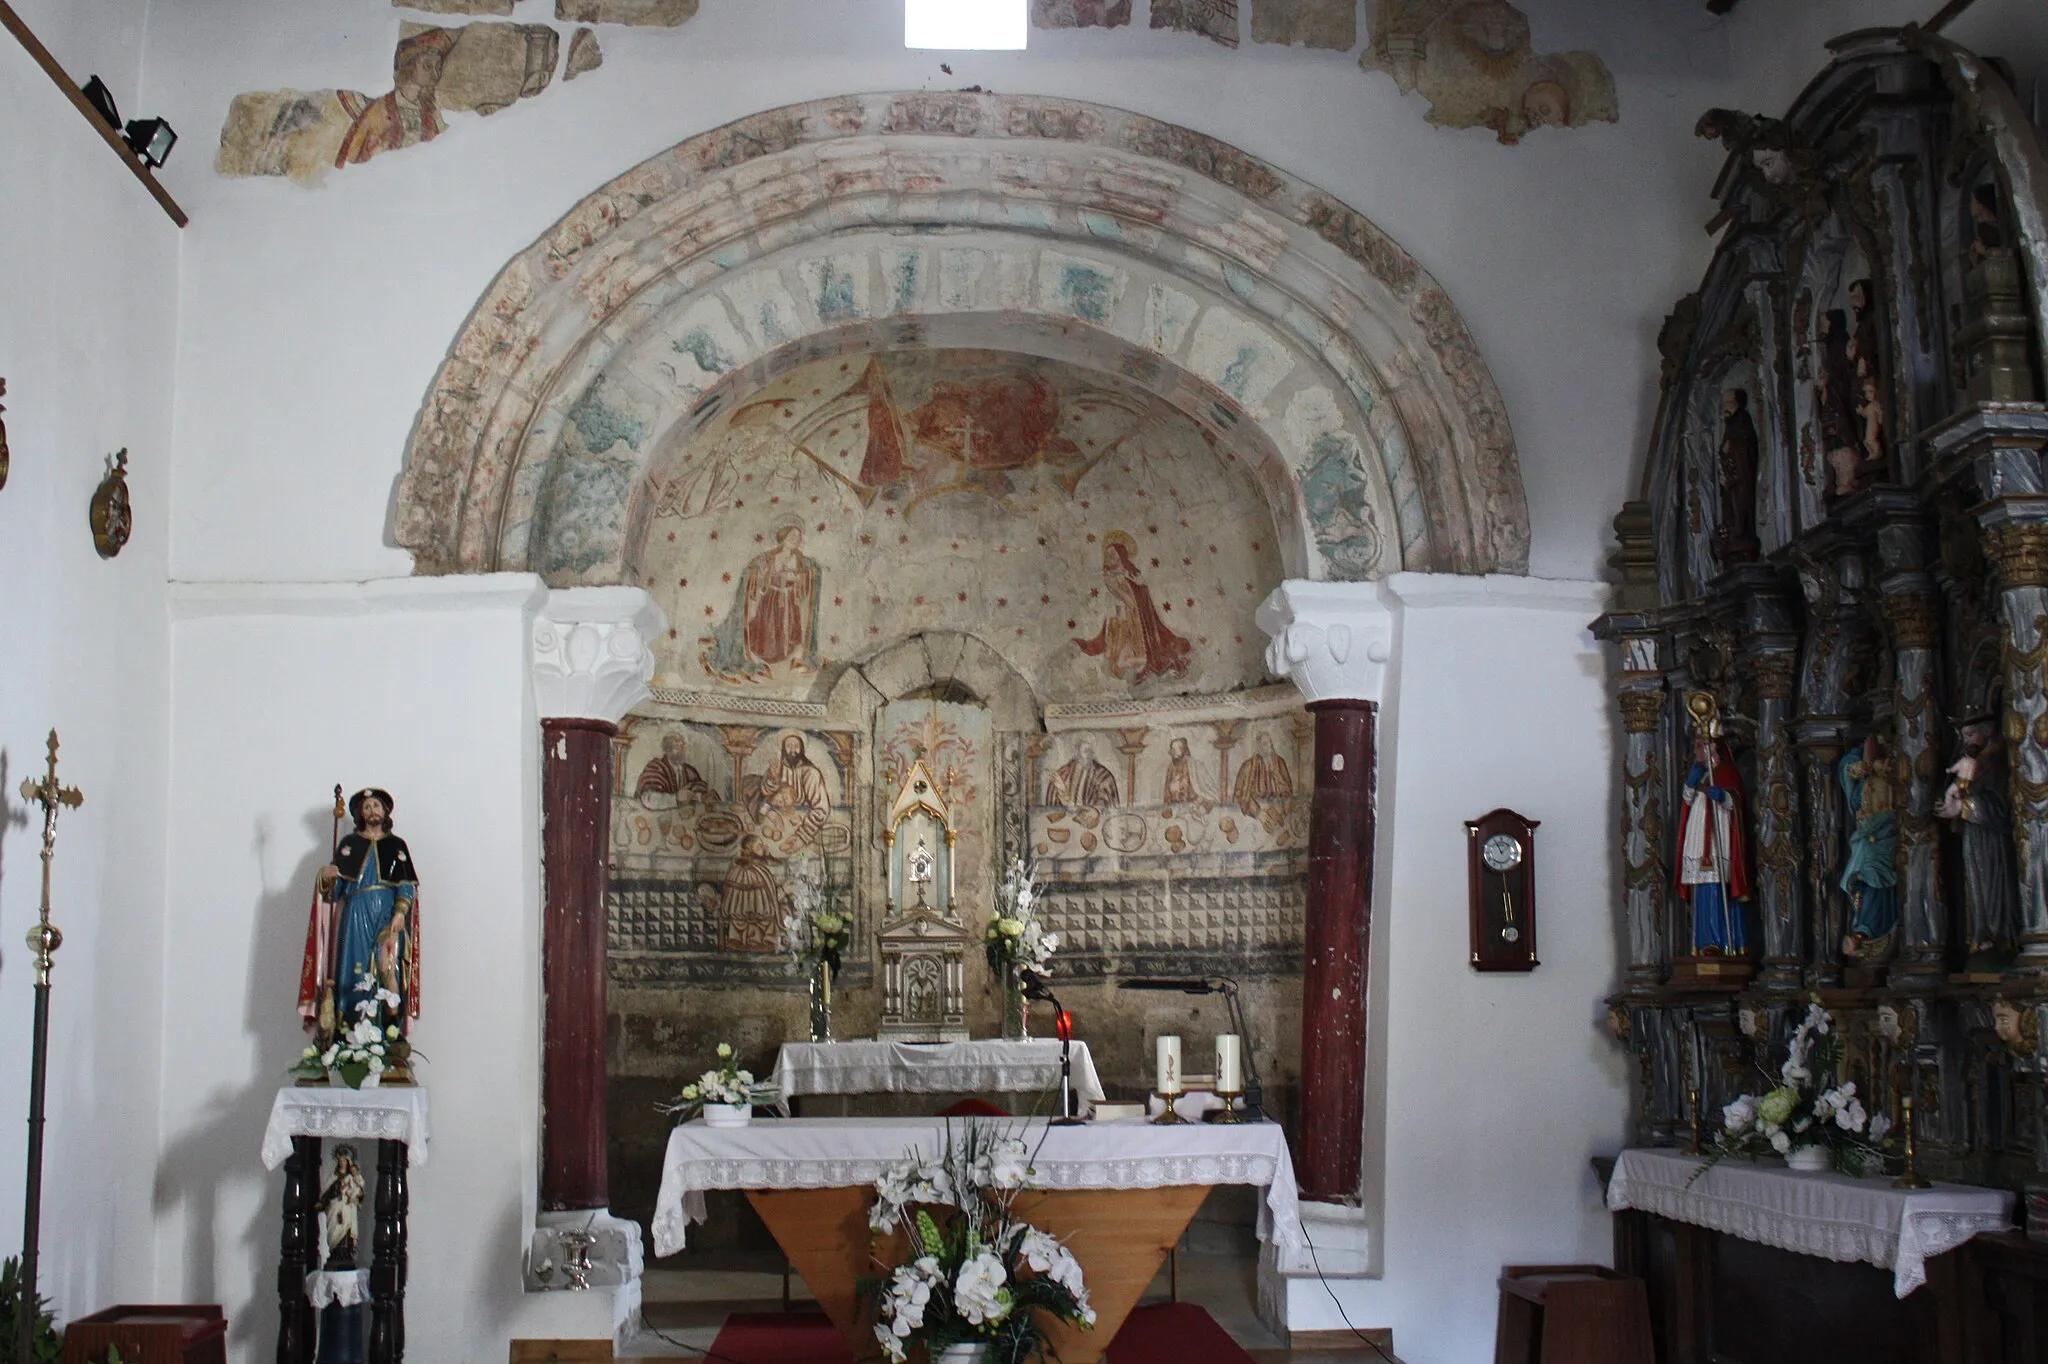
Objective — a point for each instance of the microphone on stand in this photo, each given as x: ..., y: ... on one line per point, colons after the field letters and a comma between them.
x: 1037, y: 986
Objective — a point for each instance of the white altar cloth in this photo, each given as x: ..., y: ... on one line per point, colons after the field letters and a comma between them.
x: 989, y: 1066
x: 1829, y: 1215
x: 338, y: 1113
x: 841, y: 1153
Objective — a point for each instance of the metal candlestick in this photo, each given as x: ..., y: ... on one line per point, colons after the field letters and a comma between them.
x: 1693, y: 1148
x: 1167, y: 1117
x: 1912, y: 1178
x: 1230, y: 1098
x: 43, y: 940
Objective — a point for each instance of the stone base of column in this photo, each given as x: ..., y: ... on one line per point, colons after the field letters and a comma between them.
x: 2032, y: 962
x: 1343, y: 1241
x: 617, y: 1254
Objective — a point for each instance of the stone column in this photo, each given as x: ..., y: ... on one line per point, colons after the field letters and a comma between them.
x: 1773, y: 661
x: 1835, y: 634
x: 2020, y: 551
x: 591, y: 664
x: 1334, y: 640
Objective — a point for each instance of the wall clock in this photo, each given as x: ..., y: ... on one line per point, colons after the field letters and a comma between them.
x: 1501, y: 858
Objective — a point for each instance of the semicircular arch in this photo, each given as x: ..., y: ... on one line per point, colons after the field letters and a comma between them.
x: 1177, y: 261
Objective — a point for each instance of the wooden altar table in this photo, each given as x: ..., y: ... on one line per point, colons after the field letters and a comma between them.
x: 984, y: 1066
x: 1119, y: 1194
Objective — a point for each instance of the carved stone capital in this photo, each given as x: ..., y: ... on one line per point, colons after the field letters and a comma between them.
x: 1332, y: 640
x: 2019, y: 549
x: 1915, y: 619
x: 592, y: 652
x: 1639, y: 709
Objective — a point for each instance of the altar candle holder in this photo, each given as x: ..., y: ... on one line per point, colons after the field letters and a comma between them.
x: 1693, y: 1148
x: 1167, y: 1117
x: 1911, y: 1178
x: 1229, y: 1113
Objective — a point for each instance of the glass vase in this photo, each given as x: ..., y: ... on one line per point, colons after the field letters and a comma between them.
x: 821, y: 1003
x: 1015, y: 1020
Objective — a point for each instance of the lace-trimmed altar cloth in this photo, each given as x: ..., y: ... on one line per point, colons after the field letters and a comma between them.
x: 338, y: 1113
x: 1828, y: 1215
x: 989, y: 1066
x: 842, y: 1153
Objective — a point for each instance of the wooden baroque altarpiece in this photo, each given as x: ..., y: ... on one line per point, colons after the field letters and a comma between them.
x: 1832, y: 623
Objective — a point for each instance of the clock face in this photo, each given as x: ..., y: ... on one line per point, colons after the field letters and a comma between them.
x: 1502, y: 852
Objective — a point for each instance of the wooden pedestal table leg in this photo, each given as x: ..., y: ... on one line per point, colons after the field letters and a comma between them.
x: 387, y: 1270
x: 1121, y: 1237
x: 298, y: 1253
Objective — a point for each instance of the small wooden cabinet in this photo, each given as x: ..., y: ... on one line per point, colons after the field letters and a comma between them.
x: 149, y: 1335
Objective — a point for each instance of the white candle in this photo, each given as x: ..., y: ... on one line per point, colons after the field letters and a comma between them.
x: 1169, y: 1065
x: 1229, y: 1077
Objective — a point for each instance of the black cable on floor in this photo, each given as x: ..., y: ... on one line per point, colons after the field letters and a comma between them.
x: 1377, y: 1348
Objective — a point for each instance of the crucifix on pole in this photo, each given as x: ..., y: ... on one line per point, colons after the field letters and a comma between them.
x: 43, y: 940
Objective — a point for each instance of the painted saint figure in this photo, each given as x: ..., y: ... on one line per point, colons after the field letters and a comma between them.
x: 1184, y: 784
x: 793, y: 787
x: 774, y: 617
x: 1735, y: 542
x: 1713, y: 853
x: 750, y: 901
x: 365, y: 922
x: 1871, y: 876
x: 1978, y: 803
x: 1264, y: 786
x: 1134, y: 641
x: 410, y: 113
x: 1081, y: 781
x: 341, y: 1202
x: 1835, y: 403
x: 668, y: 781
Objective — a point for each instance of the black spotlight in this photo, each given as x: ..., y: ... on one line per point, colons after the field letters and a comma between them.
x: 151, y: 139
x: 102, y: 102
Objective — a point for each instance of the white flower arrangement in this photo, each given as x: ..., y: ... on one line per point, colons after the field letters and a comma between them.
x: 368, y: 1047
x: 1809, y: 1106
x: 977, y: 1273
x: 728, y: 1084
x: 1015, y: 937
x: 812, y: 931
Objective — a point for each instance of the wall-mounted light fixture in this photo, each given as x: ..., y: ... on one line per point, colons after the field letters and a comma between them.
x: 151, y: 139
x: 966, y: 25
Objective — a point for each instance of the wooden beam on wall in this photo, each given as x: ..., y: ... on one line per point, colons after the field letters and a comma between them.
x: 13, y: 23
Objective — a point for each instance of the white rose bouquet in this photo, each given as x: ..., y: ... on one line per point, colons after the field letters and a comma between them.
x: 976, y: 1273
x: 1015, y: 938
x: 1810, y: 1105
x: 728, y: 1084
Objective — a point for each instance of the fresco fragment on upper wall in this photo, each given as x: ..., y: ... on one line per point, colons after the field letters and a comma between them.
x: 645, y: 13
x: 1093, y: 535
x: 1214, y: 19
x: 1473, y: 61
x: 476, y: 68
x: 1331, y: 24
x: 1080, y: 13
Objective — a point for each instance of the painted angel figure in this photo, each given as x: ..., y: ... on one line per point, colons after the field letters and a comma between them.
x: 1713, y: 860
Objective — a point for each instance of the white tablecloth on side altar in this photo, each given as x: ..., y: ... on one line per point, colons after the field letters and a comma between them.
x: 990, y: 1066
x: 840, y: 1153
x: 1829, y: 1215
x: 338, y: 1113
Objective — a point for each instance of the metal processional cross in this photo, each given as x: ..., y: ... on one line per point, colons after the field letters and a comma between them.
x: 43, y: 940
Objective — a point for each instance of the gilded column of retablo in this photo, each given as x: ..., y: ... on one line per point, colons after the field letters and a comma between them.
x: 1911, y: 614
x: 1777, y: 820
x: 2021, y: 553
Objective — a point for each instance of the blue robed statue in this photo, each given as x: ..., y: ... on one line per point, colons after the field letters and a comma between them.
x: 364, y: 933
x: 1871, y: 875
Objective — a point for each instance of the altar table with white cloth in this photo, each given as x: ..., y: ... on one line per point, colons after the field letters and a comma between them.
x: 1827, y: 1215
x: 1119, y: 1194
x: 986, y: 1066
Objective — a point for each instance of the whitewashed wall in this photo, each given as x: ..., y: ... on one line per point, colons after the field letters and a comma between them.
x: 88, y: 289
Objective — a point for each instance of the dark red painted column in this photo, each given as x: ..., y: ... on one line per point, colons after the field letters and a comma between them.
x: 576, y: 786
x: 1337, y: 950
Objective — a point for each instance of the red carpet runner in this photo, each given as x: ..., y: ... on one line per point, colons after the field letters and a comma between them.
x: 1173, y: 1333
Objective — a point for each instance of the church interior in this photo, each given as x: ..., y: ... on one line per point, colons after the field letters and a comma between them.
x: 997, y: 626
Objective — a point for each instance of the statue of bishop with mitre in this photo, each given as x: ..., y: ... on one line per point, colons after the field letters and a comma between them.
x: 362, y: 944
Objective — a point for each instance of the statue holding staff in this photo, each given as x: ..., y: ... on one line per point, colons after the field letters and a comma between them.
x: 364, y: 930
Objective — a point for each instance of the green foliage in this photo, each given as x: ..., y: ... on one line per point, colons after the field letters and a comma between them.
x: 48, y: 1347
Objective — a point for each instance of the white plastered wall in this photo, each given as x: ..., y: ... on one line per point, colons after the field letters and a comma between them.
x: 88, y: 300
x: 1486, y: 1094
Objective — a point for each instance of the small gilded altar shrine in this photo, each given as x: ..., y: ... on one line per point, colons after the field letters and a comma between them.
x: 1832, y: 627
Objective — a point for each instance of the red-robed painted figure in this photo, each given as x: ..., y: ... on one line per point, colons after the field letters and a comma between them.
x: 1133, y: 640
x: 774, y: 615
x: 1713, y: 851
